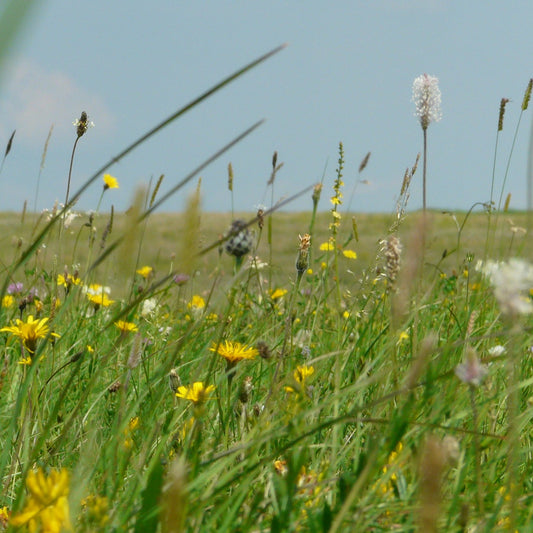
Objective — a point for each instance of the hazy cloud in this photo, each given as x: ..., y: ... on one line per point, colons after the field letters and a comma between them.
x: 33, y: 99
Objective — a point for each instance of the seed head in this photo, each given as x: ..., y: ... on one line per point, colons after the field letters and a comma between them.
x: 427, y: 98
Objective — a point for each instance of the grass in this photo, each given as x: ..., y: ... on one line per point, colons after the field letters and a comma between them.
x: 149, y: 382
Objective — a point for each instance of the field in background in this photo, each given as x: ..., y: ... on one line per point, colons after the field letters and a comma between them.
x: 158, y: 243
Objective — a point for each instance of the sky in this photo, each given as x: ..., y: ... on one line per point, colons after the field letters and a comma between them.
x: 345, y: 76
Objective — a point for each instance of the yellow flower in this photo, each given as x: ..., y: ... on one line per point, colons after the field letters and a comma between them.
x: 280, y: 466
x: 97, y: 508
x: 126, y: 327
x: 403, y: 336
x: 110, y: 182
x: 46, y: 508
x: 101, y: 299
x: 335, y: 200
x: 350, y: 254
x: 197, y: 393
x: 4, y: 517
x: 197, y: 302
x: 25, y: 361
x: 278, y: 293
x: 29, y: 332
x: 8, y: 301
x: 300, y: 377
x: 233, y: 352
x: 133, y: 424
x: 327, y: 246
x: 68, y: 280
x: 145, y: 271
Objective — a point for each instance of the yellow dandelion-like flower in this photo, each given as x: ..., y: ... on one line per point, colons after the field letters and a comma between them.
x: 350, y: 254
x: 126, y: 327
x: 4, y: 517
x: 8, y: 301
x: 67, y: 280
x: 46, y: 508
x: 110, y: 182
x: 197, y: 393
x: 145, y: 271
x: 280, y: 466
x: 197, y: 302
x: 301, y: 374
x: 327, y: 246
x: 29, y: 332
x: 100, y: 300
x: 233, y: 352
x: 278, y: 293
x: 403, y: 336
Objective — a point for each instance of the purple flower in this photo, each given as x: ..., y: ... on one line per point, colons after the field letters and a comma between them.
x: 15, y: 288
x: 181, y: 279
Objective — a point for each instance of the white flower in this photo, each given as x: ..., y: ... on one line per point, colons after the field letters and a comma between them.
x: 148, y: 307
x: 471, y: 371
x: 426, y: 96
x: 511, y: 281
x: 68, y: 218
x: 496, y: 351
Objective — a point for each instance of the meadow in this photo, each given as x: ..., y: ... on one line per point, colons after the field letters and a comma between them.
x: 319, y: 371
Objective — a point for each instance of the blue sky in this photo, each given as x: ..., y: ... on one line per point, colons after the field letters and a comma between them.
x: 345, y: 76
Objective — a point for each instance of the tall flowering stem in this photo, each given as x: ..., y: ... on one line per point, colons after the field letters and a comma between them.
x: 427, y: 98
x: 336, y: 201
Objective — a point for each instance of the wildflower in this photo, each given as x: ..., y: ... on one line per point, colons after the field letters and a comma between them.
x: 497, y: 350
x: 8, y: 301
x: 15, y: 288
x: 4, y: 517
x: 471, y: 371
x: 301, y: 375
x: 100, y: 300
x: 82, y: 124
x: 197, y: 393
x: 240, y: 241
x: 180, y: 279
x: 196, y: 303
x: 145, y: 271
x: 126, y: 327
x: 350, y: 254
x: 280, y: 466
x: 327, y: 247
x: 96, y: 509
x: 234, y: 352
x: 148, y: 307
x: 110, y: 182
x: 29, y: 332
x: 278, y: 293
x: 427, y: 99
x: 25, y: 361
x: 67, y: 280
x: 46, y: 509
x: 511, y: 280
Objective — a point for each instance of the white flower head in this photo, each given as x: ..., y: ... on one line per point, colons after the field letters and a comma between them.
x: 427, y: 98
x: 471, y: 371
x: 148, y: 307
x: 512, y: 281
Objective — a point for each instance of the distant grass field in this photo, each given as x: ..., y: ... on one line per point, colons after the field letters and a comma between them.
x: 158, y: 242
